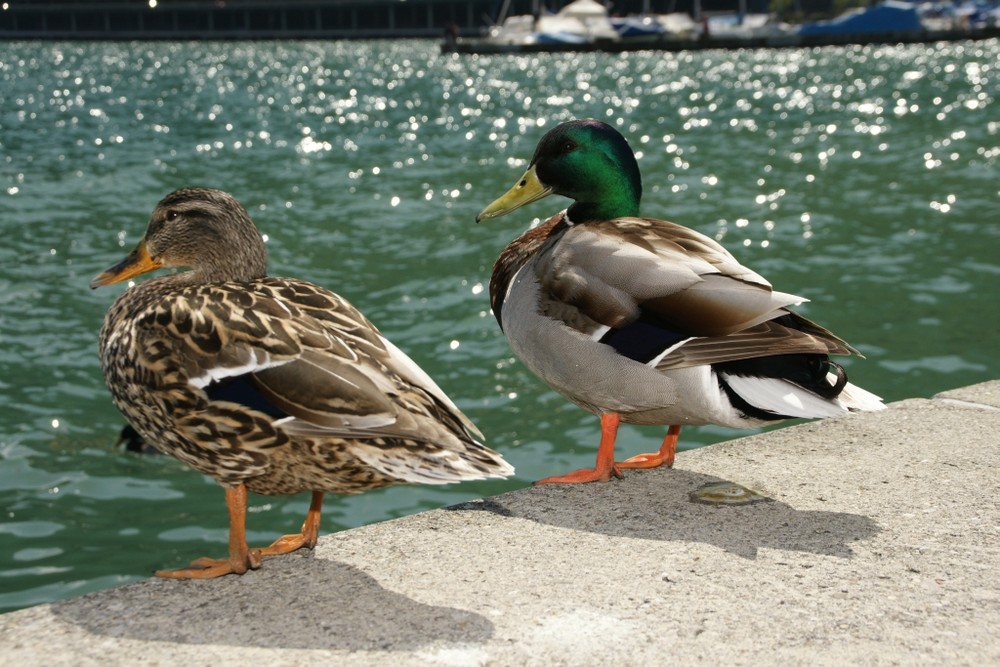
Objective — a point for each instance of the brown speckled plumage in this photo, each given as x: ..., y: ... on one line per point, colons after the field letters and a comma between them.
x: 273, y: 384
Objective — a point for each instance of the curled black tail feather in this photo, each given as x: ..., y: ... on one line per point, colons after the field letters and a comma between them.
x: 832, y: 391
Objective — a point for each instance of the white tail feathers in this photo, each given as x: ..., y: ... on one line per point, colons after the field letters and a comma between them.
x: 785, y: 398
x: 856, y: 399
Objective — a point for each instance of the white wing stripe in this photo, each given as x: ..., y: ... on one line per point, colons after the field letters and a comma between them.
x: 217, y: 373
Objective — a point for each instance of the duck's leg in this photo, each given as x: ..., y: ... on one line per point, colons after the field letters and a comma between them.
x: 605, y: 465
x: 241, y: 557
x: 308, y: 536
x: 663, y: 457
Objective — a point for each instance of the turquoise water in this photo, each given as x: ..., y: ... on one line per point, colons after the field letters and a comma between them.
x: 863, y: 178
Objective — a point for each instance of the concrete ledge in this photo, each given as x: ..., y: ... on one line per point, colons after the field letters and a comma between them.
x: 879, y: 546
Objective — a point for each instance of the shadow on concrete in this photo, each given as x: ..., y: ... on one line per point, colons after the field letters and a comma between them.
x: 286, y: 604
x: 656, y: 505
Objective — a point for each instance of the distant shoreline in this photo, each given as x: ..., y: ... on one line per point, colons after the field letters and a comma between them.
x: 313, y: 20
x: 248, y: 20
x: 482, y: 46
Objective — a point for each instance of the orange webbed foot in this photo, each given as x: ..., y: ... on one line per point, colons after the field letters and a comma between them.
x: 241, y: 557
x: 286, y: 544
x: 655, y: 459
x: 307, y: 538
x: 210, y: 568
x: 583, y: 476
x: 605, y: 465
x: 643, y: 461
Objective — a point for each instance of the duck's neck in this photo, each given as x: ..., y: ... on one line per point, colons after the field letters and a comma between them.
x: 614, y: 194
x: 602, y: 210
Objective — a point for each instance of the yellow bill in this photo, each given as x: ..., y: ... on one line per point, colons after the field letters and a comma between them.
x: 527, y: 190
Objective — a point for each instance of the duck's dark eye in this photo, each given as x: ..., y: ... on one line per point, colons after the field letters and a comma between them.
x: 569, y: 147
x: 172, y: 215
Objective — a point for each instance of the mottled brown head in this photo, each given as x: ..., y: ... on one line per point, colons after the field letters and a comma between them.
x: 201, y: 229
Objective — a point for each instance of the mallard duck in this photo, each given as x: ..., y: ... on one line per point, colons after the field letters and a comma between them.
x: 644, y: 321
x: 269, y: 385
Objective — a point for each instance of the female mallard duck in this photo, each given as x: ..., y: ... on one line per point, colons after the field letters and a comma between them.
x: 271, y: 385
x: 647, y: 322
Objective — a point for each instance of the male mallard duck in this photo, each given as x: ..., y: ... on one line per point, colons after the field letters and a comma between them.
x: 647, y: 322
x: 271, y: 385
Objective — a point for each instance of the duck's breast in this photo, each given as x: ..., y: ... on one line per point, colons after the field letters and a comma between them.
x: 554, y: 340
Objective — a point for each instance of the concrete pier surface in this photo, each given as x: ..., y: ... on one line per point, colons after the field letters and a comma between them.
x: 878, y: 546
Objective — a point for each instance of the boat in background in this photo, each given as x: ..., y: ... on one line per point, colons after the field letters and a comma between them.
x: 580, y: 22
x: 891, y: 17
x: 729, y: 27
x: 644, y: 27
x: 679, y: 25
x: 584, y: 25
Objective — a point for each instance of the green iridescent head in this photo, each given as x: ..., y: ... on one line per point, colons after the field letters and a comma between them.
x: 586, y: 160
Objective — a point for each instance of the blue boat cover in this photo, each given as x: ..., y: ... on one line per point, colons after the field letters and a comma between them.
x: 888, y: 17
